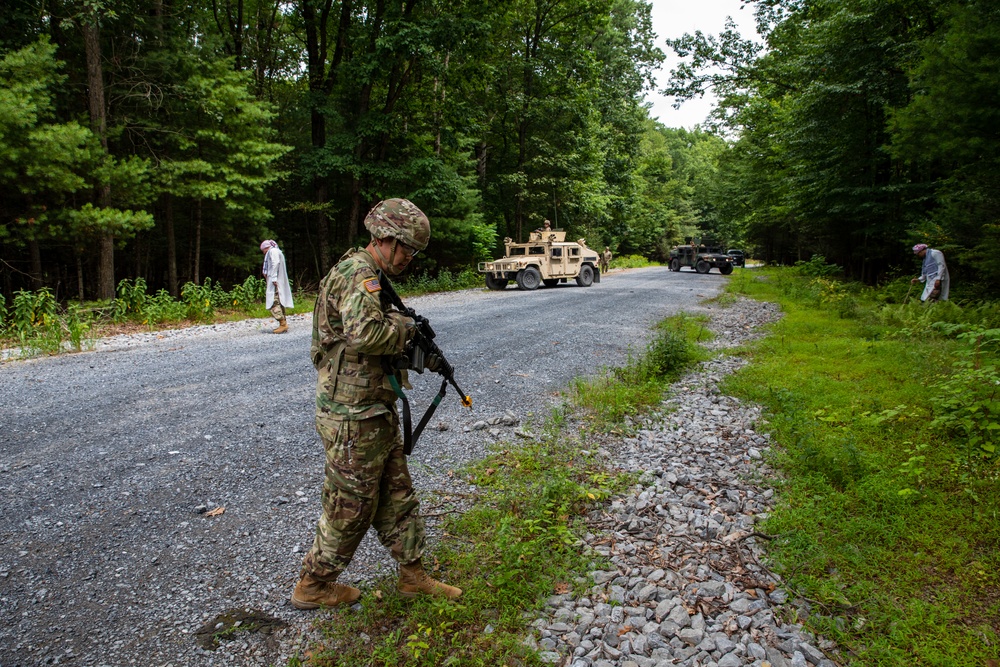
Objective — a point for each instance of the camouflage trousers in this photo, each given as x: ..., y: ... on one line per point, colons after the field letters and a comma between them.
x: 277, y: 310
x: 367, y: 484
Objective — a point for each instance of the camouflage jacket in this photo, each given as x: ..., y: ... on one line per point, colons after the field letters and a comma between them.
x: 351, y: 334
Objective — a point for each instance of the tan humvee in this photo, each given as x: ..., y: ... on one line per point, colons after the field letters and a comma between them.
x: 547, y: 258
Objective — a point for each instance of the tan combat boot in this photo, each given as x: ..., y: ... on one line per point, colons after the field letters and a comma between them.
x: 413, y: 581
x: 311, y: 593
x: 282, y: 326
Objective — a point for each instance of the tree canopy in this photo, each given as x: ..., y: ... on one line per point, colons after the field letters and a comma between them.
x: 861, y: 128
x: 165, y: 140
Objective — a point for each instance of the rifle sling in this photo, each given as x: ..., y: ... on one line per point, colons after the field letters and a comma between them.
x: 409, y: 434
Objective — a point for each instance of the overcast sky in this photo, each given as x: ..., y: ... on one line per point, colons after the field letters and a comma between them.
x: 673, y: 18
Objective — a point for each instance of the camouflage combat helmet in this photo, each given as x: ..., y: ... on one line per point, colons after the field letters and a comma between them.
x: 399, y: 219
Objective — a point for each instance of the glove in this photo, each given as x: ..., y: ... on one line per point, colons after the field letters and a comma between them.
x: 432, y: 363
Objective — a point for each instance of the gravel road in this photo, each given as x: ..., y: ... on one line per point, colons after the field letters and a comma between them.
x: 116, y: 464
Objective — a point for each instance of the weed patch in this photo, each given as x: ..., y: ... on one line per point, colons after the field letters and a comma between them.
x: 886, y: 416
x: 520, y: 541
x: 638, y: 386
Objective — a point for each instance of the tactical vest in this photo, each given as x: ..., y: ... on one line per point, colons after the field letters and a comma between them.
x: 350, y: 384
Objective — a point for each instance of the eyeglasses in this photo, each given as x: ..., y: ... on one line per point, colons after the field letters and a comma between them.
x: 410, y: 251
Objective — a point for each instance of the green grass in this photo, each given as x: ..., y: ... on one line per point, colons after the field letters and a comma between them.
x: 608, y: 399
x: 445, y: 281
x: 631, y: 262
x: 898, y: 554
x: 520, y: 542
x: 518, y: 545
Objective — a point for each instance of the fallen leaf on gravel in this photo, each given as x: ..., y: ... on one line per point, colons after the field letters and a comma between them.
x: 734, y: 536
x: 561, y: 588
x: 216, y: 512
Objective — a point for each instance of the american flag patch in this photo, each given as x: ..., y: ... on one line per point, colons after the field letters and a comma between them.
x: 372, y: 285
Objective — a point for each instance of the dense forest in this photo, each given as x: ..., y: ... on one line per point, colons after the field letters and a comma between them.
x: 164, y: 140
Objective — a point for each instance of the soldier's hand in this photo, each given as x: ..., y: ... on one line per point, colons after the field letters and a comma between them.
x: 433, y: 363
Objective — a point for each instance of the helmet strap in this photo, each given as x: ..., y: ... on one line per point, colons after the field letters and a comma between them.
x: 386, y: 263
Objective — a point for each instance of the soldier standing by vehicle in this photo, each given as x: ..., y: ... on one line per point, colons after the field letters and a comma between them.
x: 367, y: 479
x: 605, y: 259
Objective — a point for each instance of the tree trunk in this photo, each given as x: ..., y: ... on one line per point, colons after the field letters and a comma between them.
x: 168, y: 218
x: 482, y: 154
x: 355, y: 213
x: 36, y: 265
x: 319, y: 87
x: 323, y: 231
x: 98, y: 123
x: 196, y: 262
x: 79, y: 275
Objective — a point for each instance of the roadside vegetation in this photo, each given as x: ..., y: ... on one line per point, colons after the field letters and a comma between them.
x: 519, y: 543
x: 631, y: 262
x: 35, y: 323
x: 886, y: 415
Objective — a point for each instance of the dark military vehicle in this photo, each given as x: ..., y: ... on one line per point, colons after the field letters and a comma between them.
x: 701, y: 258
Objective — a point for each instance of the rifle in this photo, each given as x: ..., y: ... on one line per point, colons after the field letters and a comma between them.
x: 421, y: 352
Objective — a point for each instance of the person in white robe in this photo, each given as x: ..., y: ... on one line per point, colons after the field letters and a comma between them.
x: 279, y: 290
x: 933, y: 273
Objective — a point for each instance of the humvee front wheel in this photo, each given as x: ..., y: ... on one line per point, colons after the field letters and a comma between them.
x: 702, y: 266
x: 586, y: 276
x: 529, y: 278
x: 726, y: 270
x: 675, y: 264
x: 550, y: 282
x: 496, y: 284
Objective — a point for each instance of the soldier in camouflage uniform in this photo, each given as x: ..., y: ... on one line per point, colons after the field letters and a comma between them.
x: 605, y: 259
x: 367, y: 479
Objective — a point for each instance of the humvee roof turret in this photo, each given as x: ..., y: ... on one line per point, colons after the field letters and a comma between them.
x: 547, y: 258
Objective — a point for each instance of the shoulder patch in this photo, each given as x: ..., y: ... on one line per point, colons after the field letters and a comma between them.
x: 372, y: 285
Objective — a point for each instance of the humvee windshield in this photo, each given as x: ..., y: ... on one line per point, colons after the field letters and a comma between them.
x: 536, y: 250
x: 516, y: 251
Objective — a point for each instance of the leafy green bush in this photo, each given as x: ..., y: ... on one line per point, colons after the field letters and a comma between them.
x: 668, y: 353
x: 219, y: 297
x: 631, y: 262
x: 198, y: 299
x: 34, y: 310
x: 443, y: 282
x: 250, y: 294
x: 967, y: 402
x: 161, y: 308
x: 130, y: 301
x: 816, y: 267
